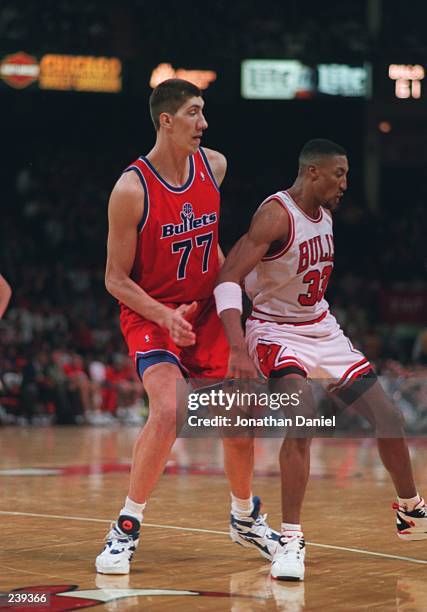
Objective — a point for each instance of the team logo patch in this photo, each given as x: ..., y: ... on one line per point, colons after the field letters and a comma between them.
x: 189, y: 222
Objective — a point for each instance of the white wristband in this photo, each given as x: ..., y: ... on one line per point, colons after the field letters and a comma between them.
x: 228, y: 295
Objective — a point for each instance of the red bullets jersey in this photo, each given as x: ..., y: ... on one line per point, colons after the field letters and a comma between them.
x: 176, y: 259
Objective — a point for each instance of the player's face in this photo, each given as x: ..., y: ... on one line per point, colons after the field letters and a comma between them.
x: 331, y: 180
x: 188, y: 124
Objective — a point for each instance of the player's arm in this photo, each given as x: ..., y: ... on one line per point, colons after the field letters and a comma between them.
x: 5, y: 294
x: 125, y: 211
x: 270, y: 223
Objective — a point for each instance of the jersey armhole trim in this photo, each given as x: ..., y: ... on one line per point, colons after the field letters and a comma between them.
x: 285, y: 248
x: 146, y: 212
x: 208, y: 168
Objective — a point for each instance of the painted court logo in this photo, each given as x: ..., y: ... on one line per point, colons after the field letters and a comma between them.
x: 65, y: 597
x: 189, y: 222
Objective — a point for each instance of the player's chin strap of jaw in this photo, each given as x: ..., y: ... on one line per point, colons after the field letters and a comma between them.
x: 228, y: 295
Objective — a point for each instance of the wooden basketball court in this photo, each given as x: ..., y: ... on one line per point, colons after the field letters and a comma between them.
x: 61, y: 487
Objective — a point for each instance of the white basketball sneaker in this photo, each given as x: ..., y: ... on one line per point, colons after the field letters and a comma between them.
x: 121, y: 543
x: 411, y: 525
x: 288, y: 561
x: 253, y: 531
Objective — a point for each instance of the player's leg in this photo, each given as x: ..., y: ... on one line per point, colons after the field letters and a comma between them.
x: 239, y: 465
x: 284, y: 360
x: 288, y: 562
x: 248, y: 526
x: 357, y: 386
x: 387, y: 420
x: 153, y: 445
x: 150, y: 454
x: 208, y: 359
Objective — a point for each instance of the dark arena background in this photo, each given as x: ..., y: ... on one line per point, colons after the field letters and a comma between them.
x: 75, y: 78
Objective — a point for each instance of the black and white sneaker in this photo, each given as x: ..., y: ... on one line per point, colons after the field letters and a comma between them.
x: 121, y: 543
x: 411, y: 525
x: 253, y: 531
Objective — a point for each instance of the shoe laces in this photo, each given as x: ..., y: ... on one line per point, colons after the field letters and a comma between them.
x: 261, y: 521
x: 292, y: 545
x: 421, y: 509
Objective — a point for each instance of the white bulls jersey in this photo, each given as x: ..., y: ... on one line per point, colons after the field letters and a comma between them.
x: 289, y: 285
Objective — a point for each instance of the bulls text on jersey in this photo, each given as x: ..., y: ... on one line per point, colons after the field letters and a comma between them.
x: 315, y: 250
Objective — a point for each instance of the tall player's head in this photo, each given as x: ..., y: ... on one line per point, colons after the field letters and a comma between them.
x: 323, y: 166
x: 176, y: 108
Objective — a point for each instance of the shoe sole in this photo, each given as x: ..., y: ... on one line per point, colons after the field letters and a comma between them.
x: 288, y: 578
x: 412, y: 537
x: 115, y: 571
x: 242, y: 542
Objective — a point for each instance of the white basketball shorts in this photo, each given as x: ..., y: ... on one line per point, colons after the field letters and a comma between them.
x: 320, y: 350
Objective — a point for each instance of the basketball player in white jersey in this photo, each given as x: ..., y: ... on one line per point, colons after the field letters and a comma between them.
x: 285, y: 260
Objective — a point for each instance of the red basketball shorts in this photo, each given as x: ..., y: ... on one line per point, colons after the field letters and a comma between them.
x: 150, y: 344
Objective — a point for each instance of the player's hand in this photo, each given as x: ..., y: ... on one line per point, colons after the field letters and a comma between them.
x: 240, y: 365
x: 180, y: 329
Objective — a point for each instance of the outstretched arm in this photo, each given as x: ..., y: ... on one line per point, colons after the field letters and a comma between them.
x: 270, y: 223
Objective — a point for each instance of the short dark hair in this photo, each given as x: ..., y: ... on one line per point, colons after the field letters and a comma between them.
x: 169, y: 96
x: 318, y: 147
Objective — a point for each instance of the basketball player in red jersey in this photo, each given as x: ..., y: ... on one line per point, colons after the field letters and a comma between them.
x: 286, y: 259
x: 162, y: 261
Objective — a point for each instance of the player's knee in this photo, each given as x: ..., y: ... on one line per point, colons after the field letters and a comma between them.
x: 390, y: 420
x: 292, y: 447
x: 238, y: 444
x: 163, y: 414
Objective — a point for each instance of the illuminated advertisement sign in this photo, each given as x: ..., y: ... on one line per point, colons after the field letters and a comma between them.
x: 407, y: 78
x: 275, y: 79
x: 344, y: 80
x: 290, y: 79
x: 62, y: 72
x: 201, y: 78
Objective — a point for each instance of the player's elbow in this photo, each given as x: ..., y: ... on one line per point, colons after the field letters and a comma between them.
x: 113, y: 284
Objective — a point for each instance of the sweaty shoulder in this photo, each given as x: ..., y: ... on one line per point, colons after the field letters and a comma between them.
x: 218, y: 164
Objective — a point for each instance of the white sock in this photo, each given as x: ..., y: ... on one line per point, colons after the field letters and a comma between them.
x: 410, y: 503
x: 241, y: 507
x: 291, y: 529
x: 133, y: 509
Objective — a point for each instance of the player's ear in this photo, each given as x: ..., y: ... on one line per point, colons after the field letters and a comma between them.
x: 313, y: 172
x: 165, y: 120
